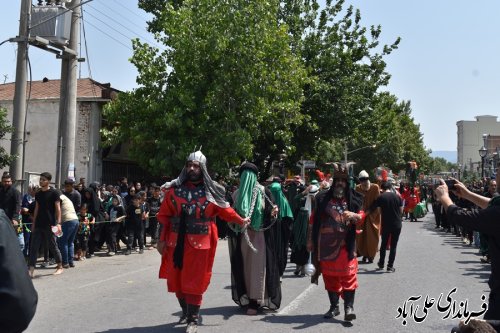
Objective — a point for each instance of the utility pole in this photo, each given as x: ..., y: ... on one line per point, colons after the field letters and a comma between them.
x: 19, y: 111
x: 67, y: 106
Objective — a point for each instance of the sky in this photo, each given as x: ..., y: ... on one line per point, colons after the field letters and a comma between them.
x: 446, y: 64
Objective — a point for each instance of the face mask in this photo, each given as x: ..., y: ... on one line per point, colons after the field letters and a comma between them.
x: 338, y: 191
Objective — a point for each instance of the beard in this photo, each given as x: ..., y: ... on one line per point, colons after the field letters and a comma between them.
x: 339, y: 192
x: 194, y: 176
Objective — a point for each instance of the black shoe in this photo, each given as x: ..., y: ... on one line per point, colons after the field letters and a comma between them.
x: 334, y: 306
x: 183, y: 318
x: 349, y: 314
x: 128, y: 252
x: 364, y: 259
x: 192, y: 318
x: 71, y: 264
x: 370, y: 260
x: 380, y: 265
x: 391, y: 269
x: 332, y: 312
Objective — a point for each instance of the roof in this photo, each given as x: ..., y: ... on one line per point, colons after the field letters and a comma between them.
x: 86, y: 89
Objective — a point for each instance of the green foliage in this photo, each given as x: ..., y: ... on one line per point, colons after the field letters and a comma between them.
x: 5, y: 158
x: 255, y: 79
x: 227, y: 81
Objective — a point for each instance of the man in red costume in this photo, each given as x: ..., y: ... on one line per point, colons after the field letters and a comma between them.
x: 189, y: 234
x: 332, y: 239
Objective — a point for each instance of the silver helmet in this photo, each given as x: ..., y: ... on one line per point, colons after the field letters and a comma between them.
x: 198, y: 157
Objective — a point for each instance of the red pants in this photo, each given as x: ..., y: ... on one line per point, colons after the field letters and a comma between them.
x: 338, y: 284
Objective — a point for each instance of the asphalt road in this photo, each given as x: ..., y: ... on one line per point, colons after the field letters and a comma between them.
x: 122, y: 294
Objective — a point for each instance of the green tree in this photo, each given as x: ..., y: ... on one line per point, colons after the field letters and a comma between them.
x: 5, y: 127
x: 227, y: 80
x: 346, y: 68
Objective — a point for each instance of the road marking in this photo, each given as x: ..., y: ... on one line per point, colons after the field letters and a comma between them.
x: 296, y: 302
x: 115, y: 277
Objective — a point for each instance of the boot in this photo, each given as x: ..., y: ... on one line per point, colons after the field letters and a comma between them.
x: 192, y: 318
x: 334, y: 306
x: 183, y: 318
x: 349, y: 305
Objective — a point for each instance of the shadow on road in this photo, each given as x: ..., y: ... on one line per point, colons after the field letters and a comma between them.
x: 149, y: 329
x: 303, y: 321
x: 225, y: 311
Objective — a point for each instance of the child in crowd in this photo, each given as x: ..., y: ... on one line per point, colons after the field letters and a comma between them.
x: 82, y: 237
x: 134, y: 225
x: 145, y: 217
x: 115, y: 214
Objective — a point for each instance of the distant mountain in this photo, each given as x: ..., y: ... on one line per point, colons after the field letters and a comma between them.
x: 449, y: 155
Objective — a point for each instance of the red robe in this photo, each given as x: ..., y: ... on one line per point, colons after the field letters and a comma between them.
x: 199, y: 249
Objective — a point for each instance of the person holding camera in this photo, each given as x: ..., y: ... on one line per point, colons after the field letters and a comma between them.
x: 485, y: 220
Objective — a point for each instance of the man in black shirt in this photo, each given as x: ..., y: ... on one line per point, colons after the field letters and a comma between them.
x: 10, y: 202
x: 391, y: 206
x: 72, y: 194
x: 485, y: 220
x: 47, y: 215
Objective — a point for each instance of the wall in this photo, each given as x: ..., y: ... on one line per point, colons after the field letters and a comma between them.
x: 470, y: 137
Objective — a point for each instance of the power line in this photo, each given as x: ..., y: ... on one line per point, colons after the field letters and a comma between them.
x: 113, y: 38
x: 128, y: 9
x: 109, y: 26
x: 112, y: 19
x: 126, y: 19
x: 87, y: 57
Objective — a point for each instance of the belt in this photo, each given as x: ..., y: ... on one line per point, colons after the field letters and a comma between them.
x: 194, y: 226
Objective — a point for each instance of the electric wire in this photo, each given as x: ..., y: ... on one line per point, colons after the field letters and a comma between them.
x: 125, y: 27
x: 125, y: 18
x: 109, y: 26
x: 87, y: 57
x: 128, y: 9
x: 113, y: 38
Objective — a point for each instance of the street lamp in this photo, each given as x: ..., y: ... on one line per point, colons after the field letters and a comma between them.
x: 355, y: 150
x: 459, y: 169
x: 482, y: 153
x: 352, y: 151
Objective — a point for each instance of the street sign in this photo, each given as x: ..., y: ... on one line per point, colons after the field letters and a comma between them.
x: 306, y: 164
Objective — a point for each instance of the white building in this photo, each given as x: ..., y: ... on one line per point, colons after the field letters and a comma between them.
x: 42, y: 125
x: 470, y: 140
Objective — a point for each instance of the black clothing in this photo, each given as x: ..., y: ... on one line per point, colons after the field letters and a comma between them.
x: 485, y: 221
x: 46, y: 207
x: 75, y: 198
x: 10, y: 202
x: 354, y: 204
x: 394, y: 236
x: 42, y: 235
x: 18, y: 297
x: 273, y: 287
x: 154, y: 206
x: 390, y: 204
x: 113, y: 228
x: 134, y: 226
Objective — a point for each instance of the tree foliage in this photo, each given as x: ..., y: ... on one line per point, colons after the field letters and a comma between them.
x: 5, y: 127
x: 256, y: 79
x: 227, y: 81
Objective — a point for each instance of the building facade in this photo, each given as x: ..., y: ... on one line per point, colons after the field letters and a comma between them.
x: 42, y: 122
x: 470, y: 139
